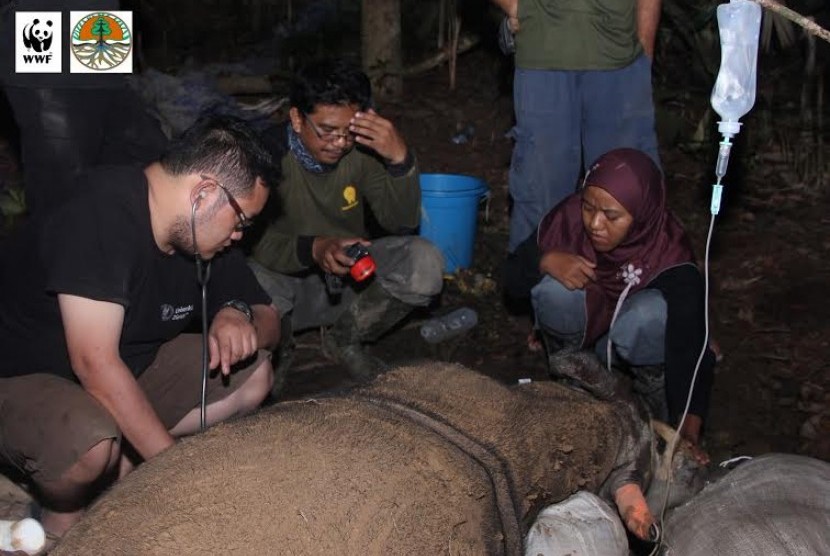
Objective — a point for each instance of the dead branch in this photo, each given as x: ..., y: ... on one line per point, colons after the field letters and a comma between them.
x: 808, y: 24
x: 464, y: 44
x: 456, y: 33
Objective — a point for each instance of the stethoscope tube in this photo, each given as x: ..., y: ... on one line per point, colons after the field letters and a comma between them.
x: 202, y: 276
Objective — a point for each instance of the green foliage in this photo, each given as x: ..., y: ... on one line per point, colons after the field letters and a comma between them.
x: 12, y: 202
x: 101, y: 27
x: 12, y: 205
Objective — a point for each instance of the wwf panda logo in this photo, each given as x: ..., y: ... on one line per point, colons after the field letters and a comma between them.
x: 38, y: 37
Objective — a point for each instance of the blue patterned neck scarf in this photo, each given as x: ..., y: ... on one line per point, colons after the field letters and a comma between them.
x: 306, y: 160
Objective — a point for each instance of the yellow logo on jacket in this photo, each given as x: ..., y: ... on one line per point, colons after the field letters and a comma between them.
x: 350, y: 194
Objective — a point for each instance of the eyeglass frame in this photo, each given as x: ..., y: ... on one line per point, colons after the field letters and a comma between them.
x: 348, y: 137
x: 244, y: 220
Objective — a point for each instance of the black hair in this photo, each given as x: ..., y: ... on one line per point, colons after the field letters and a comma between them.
x: 225, y: 148
x: 330, y: 81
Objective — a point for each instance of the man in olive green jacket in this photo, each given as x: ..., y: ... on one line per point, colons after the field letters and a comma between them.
x: 344, y: 160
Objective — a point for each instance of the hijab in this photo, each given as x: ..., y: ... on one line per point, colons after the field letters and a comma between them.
x: 655, y: 241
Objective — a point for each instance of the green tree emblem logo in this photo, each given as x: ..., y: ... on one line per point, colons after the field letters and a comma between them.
x: 101, y: 28
x: 101, y: 41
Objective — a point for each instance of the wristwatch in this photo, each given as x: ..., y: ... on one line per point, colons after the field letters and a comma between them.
x: 240, y: 306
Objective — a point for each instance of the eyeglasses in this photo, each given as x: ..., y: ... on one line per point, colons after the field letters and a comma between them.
x: 330, y: 136
x: 244, y: 221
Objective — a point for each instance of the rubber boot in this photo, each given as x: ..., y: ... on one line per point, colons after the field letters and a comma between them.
x: 369, y: 316
x: 283, y: 356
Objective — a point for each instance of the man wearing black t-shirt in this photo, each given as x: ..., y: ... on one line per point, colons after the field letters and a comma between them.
x: 95, y: 303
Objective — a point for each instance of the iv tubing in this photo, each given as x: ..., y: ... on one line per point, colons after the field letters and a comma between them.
x: 717, y: 188
x: 720, y: 171
x: 676, y: 437
x: 723, y: 158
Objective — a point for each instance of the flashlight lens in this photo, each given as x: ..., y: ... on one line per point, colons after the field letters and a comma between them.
x: 362, y: 268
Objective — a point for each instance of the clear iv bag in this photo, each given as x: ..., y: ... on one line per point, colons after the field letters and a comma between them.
x: 739, y: 23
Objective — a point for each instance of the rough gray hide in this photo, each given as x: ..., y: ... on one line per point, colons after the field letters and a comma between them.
x: 646, y: 440
x: 776, y: 504
x: 584, y: 370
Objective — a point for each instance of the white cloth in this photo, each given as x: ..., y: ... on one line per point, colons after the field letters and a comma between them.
x: 583, y: 524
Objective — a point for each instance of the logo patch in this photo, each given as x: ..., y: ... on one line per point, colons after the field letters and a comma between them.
x: 350, y: 195
x: 101, y: 42
x: 168, y: 312
x: 37, y: 42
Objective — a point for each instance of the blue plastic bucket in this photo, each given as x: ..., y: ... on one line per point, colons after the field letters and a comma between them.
x: 449, y: 210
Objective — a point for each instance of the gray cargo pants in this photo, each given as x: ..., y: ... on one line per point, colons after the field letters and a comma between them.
x: 409, y: 268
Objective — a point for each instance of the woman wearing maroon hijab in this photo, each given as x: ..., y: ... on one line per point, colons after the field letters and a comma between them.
x: 614, y: 258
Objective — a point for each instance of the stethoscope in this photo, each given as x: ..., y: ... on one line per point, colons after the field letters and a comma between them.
x: 202, y: 276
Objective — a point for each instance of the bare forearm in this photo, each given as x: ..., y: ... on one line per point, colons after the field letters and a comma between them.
x: 267, y: 324
x: 648, y: 19
x: 113, y: 385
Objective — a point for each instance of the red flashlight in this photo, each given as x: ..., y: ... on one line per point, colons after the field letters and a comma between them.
x: 364, y: 265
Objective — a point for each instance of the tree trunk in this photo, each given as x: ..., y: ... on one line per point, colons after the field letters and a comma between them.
x: 381, y: 45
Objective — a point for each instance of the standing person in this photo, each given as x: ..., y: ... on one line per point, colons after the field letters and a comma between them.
x: 344, y: 160
x: 70, y: 122
x: 582, y: 87
x: 616, y: 266
x: 95, y: 304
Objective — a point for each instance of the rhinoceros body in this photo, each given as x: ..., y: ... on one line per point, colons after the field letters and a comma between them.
x: 430, y: 459
x: 776, y: 504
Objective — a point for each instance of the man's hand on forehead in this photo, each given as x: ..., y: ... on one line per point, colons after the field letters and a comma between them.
x: 379, y: 134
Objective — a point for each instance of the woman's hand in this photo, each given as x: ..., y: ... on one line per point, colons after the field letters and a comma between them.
x: 573, y: 271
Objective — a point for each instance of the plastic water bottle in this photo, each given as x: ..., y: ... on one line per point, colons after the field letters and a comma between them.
x: 733, y: 96
x: 464, y: 135
x: 25, y: 535
x: 449, y: 326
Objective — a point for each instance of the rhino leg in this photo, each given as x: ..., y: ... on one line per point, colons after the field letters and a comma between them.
x: 632, y: 470
x: 584, y: 370
x: 635, y: 513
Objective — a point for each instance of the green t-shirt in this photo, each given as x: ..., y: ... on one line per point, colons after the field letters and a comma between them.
x: 577, y: 34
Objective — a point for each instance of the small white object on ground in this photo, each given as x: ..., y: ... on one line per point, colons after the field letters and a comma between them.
x: 26, y: 535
